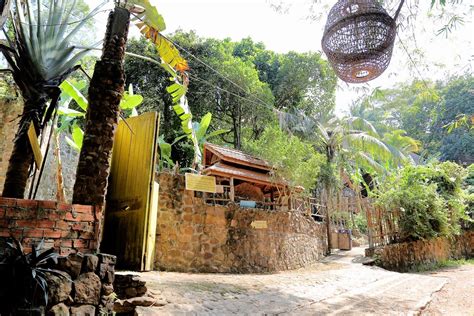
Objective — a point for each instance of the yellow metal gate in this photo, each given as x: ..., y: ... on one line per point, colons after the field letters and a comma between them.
x: 132, y: 198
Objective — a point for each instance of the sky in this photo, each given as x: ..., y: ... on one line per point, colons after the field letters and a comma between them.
x: 433, y: 56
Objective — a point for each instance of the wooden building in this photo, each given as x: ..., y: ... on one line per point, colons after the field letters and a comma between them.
x: 241, y: 177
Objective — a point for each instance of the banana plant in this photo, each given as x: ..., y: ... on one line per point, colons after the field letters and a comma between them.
x: 150, y: 23
x: 72, y: 91
x: 201, y: 131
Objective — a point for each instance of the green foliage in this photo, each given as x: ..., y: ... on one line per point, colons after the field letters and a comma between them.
x: 436, y: 114
x: 430, y: 199
x: 294, y: 160
x: 24, y: 277
x: 70, y: 119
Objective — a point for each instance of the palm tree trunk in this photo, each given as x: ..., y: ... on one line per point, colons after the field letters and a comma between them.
x: 22, y: 155
x: 105, y: 92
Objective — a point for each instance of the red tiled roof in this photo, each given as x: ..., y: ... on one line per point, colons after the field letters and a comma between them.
x: 236, y: 156
x: 221, y: 169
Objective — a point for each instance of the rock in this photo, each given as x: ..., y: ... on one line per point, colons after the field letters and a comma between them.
x: 71, y: 264
x: 84, y: 310
x: 130, y: 292
x: 141, y: 290
x: 128, y: 305
x: 141, y: 301
x: 107, y: 289
x: 89, y: 263
x: 87, y: 289
x: 106, y: 267
x: 59, y: 287
x: 59, y: 310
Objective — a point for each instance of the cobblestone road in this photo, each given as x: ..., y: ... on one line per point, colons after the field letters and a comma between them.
x: 339, y: 285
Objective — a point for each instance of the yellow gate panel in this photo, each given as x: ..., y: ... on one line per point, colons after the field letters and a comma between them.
x: 131, y: 210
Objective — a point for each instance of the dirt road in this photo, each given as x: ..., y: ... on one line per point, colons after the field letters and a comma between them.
x: 340, y: 285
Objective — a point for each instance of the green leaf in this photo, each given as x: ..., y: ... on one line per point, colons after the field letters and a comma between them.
x: 77, y: 136
x: 130, y: 101
x: 71, y: 143
x: 203, y: 126
x: 68, y: 88
x: 217, y: 133
x: 70, y: 112
x: 150, y: 15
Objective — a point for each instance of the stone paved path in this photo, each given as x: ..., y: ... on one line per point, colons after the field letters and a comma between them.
x: 340, y: 285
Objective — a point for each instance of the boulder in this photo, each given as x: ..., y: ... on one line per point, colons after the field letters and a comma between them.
x: 107, y: 289
x: 59, y: 310
x: 84, y: 310
x: 59, y: 287
x: 71, y: 264
x: 90, y: 263
x: 87, y: 289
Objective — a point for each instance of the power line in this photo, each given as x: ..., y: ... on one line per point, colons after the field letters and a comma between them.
x: 213, y: 70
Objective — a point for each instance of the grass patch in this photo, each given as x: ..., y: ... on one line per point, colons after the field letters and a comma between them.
x: 450, y: 263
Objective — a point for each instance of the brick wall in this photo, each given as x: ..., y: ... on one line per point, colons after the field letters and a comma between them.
x: 68, y: 228
x: 195, y: 237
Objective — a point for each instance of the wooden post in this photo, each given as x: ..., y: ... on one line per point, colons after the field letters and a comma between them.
x: 232, y: 191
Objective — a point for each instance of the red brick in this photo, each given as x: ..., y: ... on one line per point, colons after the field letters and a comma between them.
x: 83, y: 226
x: 27, y: 203
x: 80, y: 243
x: 63, y: 207
x: 4, y: 233
x: 63, y: 225
x: 40, y: 233
x: 4, y: 223
x: 26, y: 223
x: 2, y: 212
x: 45, y: 224
x: 7, y: 202
x: 86, y: 235
x: 63, y: 243
x: 88, y: 209
x: 47, y: 204
x: 65, y: 251
x: 69, y: 234
x: 20, y: 214
x: 79, y: 217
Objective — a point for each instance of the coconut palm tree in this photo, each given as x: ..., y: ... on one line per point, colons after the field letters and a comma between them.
x: 40, y: 56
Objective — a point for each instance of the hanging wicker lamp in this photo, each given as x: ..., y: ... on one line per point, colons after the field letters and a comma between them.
x: 358, y: 39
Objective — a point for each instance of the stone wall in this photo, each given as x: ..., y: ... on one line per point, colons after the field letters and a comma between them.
x: 196, y: 237
x: 11, y: 106
x: 69, y: 158
x: 81, y: 285
x: 404, y: 257
x: 68, y: 228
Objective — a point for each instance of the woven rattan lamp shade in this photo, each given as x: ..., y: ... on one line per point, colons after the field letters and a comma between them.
x: 358, y: 39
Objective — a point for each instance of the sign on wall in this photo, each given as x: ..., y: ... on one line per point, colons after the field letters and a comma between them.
x: 259, y: 224
x: 196, y: 182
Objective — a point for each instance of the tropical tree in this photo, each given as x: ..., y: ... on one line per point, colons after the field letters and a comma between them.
x: 106, y: 90
x: 38, y: 70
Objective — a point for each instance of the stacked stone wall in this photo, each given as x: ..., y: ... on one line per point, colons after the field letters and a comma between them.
x: 11, y: 106
x: 197, y: 237
x: 406, y: 256
x: 68, y: 228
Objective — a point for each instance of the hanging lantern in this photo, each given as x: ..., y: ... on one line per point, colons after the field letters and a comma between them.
x: 358, y: 39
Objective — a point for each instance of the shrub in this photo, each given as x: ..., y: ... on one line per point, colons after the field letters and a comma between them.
x: 429, y: 197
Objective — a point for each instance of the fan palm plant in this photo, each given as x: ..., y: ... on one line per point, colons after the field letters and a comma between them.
x: 40, y: 56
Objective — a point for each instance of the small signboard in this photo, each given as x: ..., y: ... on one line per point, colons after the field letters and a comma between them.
x: 35, y: 145
x: 196, y: 182
x: 259, y: 224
